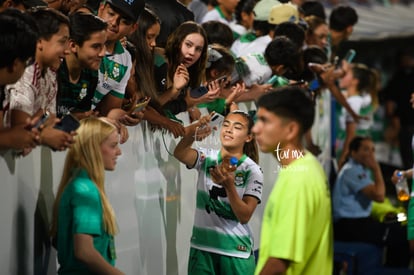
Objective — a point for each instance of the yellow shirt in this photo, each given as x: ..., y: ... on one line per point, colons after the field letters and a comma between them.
x: 297, y: 222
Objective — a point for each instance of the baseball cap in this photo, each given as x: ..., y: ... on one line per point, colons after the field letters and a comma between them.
x: 129, y: 8
x: 262, y: 9
x: 284, y: 13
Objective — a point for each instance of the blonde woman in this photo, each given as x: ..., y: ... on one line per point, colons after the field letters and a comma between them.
x: 83, y: 219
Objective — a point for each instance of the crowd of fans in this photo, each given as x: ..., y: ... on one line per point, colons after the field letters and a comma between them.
x: 114, y: 64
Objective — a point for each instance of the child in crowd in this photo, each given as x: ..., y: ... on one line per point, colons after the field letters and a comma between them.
x: 283, y: 56
x: 34, y: 94
x: 220, y: 64
x: 280, y: 57
x: 223, y: 12
x: 276, y: 15
x: 317, y: 32
x: 17, y: 49
x: 144, y: 39
x: 218, y: 33
x: 84, y: 223
x: 114, y: 72
x: 200, y: 8
x: 186, y: 54
x: 244, y: 17
x: 78, y: 74
x: 341, y: 25
x: 225, y: 200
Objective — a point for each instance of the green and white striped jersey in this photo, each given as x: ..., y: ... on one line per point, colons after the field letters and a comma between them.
x: 113, y: 74
x: 216, y: 228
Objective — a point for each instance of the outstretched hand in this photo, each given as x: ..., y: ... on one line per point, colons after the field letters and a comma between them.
x: 181, y: 77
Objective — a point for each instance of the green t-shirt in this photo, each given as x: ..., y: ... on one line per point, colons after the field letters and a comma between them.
x: 75, y: 97
x: 80, y: 211
x: 218, y: 105
x: 297, y: 222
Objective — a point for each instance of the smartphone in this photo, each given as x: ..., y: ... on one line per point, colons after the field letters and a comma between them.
x: 216, y: 120
x: 198, y: 92
x: 349, y: 56
x: 42, y: 120
x: 141, y: 105
x: 68, y: 123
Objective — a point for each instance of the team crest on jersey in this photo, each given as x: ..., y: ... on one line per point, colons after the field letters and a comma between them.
x: 239, y: 178
x: 112, y: 70
x: 115, y: 71
x: 83, y: 91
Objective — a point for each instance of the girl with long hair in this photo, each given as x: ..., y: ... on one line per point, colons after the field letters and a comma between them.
x: 144, y: 40
x: 84, y: 223
x: 222, y: 241
x: 360, y: 85
x: 186, y: 56
x: 317, y: 32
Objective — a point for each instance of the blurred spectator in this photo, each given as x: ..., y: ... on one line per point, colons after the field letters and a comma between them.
x: 283, y: 56
x: 244, y: 17
x: 292, y: 31
x: 397, y: 94
x: 360, y: 87
x: 261, y: 28
x: 199, y: 8
x: 224, y: 12
x: 317, y: 32
x: 218, y: 32
x: 358, y: 184
x: 314, y: 8
x: 278, y: 14
x: 341, y: 25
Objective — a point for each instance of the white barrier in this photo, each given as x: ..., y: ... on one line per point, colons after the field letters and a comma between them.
x: 153, y: 196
